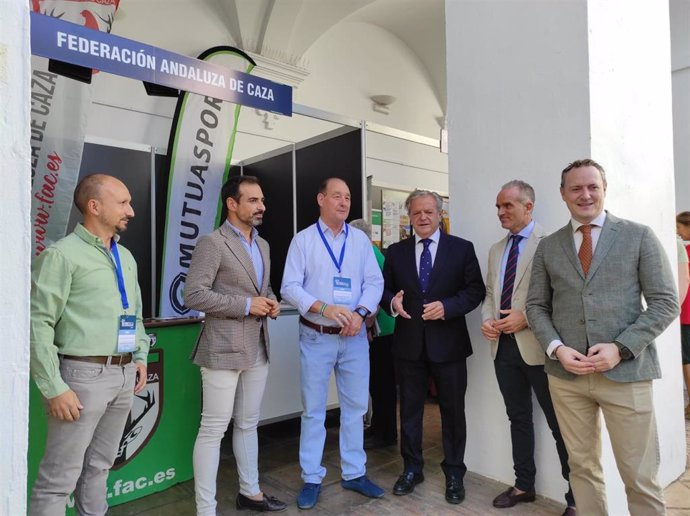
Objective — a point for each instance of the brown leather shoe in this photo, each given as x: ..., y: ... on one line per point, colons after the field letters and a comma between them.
x: 509, y: 497
x: 570, y: 511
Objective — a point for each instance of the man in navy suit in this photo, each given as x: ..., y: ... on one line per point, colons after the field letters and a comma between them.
x: 431, y: 281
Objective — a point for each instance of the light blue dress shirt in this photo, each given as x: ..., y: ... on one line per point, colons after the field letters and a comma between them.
x: 255, y: 254
x: 309, y: 270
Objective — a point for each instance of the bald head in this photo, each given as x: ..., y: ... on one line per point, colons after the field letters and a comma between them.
x: 90, y: 188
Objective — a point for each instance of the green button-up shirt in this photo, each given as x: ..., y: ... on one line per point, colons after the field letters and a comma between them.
x: 76, y: 305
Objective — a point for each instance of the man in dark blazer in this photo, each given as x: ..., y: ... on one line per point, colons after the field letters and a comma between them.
x: 432, y: 280
x: 228, y: 279
x: 585, y: 307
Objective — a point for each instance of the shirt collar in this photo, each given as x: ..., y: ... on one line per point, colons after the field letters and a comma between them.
x: 434, y: 237
x: 89, y: 237
x: 324, y: 227
x: 525, y: 232
x: 239, y: 233
x: 598, y: 221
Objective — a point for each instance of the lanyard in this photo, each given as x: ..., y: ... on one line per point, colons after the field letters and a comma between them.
x: 338, y: 263
x: 118, y: 271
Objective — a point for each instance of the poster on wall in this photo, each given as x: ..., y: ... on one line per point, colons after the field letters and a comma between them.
x: 376, y: 228
x: 395, y: 224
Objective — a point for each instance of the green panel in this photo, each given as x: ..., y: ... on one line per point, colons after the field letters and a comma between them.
x: 163, y: 454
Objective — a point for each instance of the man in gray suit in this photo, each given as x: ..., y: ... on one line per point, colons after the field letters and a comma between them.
x: 228, y: 279
x: 518, y: 357
x: 585, y: 307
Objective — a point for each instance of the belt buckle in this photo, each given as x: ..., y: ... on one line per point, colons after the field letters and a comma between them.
x: 115, y: 360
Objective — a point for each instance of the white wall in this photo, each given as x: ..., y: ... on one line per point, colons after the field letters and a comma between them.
x: 680, y: 64
x: 14, y: 259
x: 566, y: 80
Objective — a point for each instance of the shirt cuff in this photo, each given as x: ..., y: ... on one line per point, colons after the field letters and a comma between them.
x: 552, y: 348
x: 247, y: 305
x: 393, y: 312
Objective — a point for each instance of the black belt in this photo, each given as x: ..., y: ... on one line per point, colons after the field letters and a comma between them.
x: 328, y: 330
x: 118, y: 360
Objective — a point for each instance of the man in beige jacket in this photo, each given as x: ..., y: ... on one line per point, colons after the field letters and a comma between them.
x: 518, y: 357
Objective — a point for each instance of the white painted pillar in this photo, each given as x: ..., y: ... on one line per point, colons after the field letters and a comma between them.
x: 532, y: 86
x: 680, y: 64
x: 15, y: 71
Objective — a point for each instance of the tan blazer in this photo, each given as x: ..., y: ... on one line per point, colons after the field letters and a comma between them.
x: 530, y: 349
x: 220, y: 279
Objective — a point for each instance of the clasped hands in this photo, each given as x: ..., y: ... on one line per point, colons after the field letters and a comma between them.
x: 264, y: 306
x: 600, y: 358
x: 433, y: 311
x: 513, y: 322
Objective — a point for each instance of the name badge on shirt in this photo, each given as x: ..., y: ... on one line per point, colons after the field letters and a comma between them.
x: 127, y: 334
x: 342, y: 290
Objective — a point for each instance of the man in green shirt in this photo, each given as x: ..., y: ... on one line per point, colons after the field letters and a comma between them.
x: 88, y: 348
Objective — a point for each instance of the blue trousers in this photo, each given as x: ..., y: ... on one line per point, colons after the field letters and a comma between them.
x: 348, y: 358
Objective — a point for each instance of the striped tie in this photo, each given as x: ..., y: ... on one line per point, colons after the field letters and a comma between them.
x: 509, y: 274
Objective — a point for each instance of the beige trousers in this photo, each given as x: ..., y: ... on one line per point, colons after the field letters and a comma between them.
x: 629, y: 416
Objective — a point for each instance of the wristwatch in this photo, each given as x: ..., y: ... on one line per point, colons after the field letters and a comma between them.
x: 626, y: 354
x: 362, y: 312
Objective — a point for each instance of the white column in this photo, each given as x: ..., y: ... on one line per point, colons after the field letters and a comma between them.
x: 15, y: 70
x: 533, y: 85
x: 680, y: 64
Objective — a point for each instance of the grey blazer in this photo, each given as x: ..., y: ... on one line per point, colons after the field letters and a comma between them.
x: 220, y: 279
x: 530, y: 349
x: 606, y: 306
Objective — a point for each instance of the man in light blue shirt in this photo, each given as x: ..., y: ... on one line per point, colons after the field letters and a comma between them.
x: 332, y: 277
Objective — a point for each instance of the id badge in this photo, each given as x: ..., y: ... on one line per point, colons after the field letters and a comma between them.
x: 342, y: 291
x: 127, y: 334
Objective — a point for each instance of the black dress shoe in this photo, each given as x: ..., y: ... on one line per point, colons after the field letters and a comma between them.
x: 455, y: 491
x: 268, y: 504
x: 405, y: 484
x: 509, y: 498
x: 374, y: 442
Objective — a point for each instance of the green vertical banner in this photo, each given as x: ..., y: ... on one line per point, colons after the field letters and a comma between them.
x: 155, y: 451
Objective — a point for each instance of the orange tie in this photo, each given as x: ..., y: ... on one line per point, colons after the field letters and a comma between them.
x: 585, y: 252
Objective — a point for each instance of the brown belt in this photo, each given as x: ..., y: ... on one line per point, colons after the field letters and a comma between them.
x: 118, y: 360
x: 328, y: 330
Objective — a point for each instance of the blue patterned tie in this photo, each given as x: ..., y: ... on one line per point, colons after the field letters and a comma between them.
x: 509, y: 274
x: 425, y: 265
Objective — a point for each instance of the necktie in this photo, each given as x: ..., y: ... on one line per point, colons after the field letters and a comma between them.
x: 509, y: 274
x: 585, y: 252
x: 425, y: 265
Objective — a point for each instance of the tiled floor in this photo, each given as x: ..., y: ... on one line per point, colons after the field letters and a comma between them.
x: 280, y: 476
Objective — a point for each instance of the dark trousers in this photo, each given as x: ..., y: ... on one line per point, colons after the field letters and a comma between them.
x: 516, y: 380
x: 382, y: 389
x: 451, y: 383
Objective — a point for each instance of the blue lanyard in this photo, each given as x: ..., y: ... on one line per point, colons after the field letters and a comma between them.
x: 338, y: 263
x: 118, y: 271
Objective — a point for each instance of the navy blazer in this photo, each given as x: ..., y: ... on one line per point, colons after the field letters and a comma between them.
x: 456, y: 281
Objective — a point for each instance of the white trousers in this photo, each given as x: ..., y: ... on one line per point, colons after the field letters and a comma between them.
x: 229, y: 395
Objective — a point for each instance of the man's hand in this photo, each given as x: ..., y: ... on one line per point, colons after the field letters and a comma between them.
x: 262, y: 306
x: 433, y: 311
x: 488, y: 330
x: 513, y: 322
x: 275, y: 309
x: 397, y: 304
x: 573, y: 361
x: 65, y: 406
x: 339, y: 314
x: 353, y: 326
x: 604, y: 356
x: 140, y: 378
